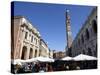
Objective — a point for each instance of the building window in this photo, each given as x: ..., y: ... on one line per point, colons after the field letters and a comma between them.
x: 96, y: 17
x: 94, y: 25
x: 35, y: 41
x: 79, y: 42
x: 83, y: 52
x: 82, y: 39
x: 32, y: 39
x: 87, y: 34
x: 26, y: 34
x: 89, y: 52
x: 95, y: 51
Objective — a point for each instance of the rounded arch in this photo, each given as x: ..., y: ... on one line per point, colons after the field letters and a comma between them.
x: 87, y: 34
x: 89, y: 52
x: 79, y: 42
x: 83, y: 52
x: 35, y: 52
x: 24, y: 52
x: 94, y: 26
x: 82, y: 38
x: 95, y: 51
x: 31, y: 53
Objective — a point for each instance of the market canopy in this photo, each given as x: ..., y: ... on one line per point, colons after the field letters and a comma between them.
x: 67, y: 58
x: 44, y: 59
x: 84, y: 57
x: 30, y: 60
x: 41, y: 59
x: 16, y: 61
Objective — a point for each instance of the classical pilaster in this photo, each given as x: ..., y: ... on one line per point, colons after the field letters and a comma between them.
x: 22, y: 44
x: 28, y: 52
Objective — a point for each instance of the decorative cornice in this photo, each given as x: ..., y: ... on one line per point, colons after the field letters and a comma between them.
x: 25, y: 22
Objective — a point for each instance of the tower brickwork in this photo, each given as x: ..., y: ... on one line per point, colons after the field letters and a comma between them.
x: 68, y: 31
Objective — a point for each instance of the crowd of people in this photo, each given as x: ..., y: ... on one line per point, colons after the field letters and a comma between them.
x: 34, y: 67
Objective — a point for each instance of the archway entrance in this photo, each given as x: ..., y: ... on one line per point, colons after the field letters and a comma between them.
x: 31, y: 53
x: 87, y: 34
x: 94, y: 25
x: 36, y: 53
x: 24, y: 52
x: 89, y: 52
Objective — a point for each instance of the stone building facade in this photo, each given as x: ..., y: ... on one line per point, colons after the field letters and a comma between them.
x: 86, y: 40
x: 50, y: 53
x: 25, y: 39
x: 44, y: 50
x: 59, y: 55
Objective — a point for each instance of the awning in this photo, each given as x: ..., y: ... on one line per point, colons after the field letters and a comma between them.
x: 84, y: 57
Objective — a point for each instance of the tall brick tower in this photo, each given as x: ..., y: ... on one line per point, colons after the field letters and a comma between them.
x: 68, y: 33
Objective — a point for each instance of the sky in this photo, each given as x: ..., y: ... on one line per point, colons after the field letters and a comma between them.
x: 49, y: 19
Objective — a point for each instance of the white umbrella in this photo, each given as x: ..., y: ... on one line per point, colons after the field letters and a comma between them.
x: 50, y: 59
x: 84, y: 57
x: 16, y: 61
x: 44, y: 59
x: 67, y: 58
x: 30, y: 60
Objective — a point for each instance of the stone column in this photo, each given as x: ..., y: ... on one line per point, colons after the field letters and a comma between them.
x: 33, y: 51
x: 37, y: 52
x: 21, y: 50
x: 22, y: 38
x: 28, y: 52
